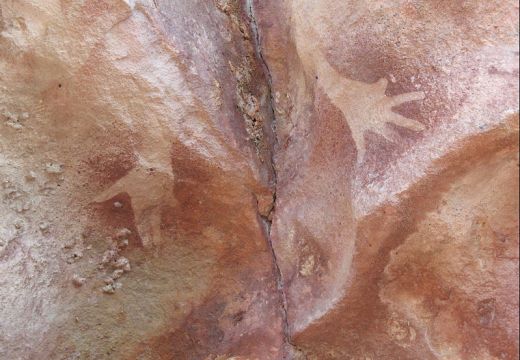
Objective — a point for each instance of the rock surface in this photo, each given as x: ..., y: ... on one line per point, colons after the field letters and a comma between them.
x: 396, y: 222
x: 261, y: 179
x: 134, y: 187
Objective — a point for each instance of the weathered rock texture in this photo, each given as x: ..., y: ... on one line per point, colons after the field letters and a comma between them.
x: 261, y: 179
x: 396, y: 222
x: 151, y: 117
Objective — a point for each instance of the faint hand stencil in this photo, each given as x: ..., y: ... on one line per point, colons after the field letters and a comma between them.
x: 364, y: 106
x: 150, y: 186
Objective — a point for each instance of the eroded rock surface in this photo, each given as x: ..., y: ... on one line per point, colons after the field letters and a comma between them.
x: 264, y: 179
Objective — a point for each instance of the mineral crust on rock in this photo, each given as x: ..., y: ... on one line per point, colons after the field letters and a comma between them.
x: 259, y: 179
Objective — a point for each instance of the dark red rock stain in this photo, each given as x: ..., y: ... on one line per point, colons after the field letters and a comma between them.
x: 328, y: 131
x: 109, y: 164
x: 204, y: 193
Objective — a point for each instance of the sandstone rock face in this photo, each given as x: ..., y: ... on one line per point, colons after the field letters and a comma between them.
x: 261, y: 179
x: 397, y: 127
x: 136, y: 174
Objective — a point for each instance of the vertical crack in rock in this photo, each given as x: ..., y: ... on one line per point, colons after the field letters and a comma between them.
x: 268, y: 219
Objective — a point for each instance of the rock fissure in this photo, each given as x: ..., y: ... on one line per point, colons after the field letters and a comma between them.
x: 268, y: 219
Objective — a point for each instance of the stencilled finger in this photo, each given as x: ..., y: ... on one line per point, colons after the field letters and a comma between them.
x: 388, y: 133
x: 406, y: 97
x: 406, y: 122
x: 382, y: 83
x: 117, y: 188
